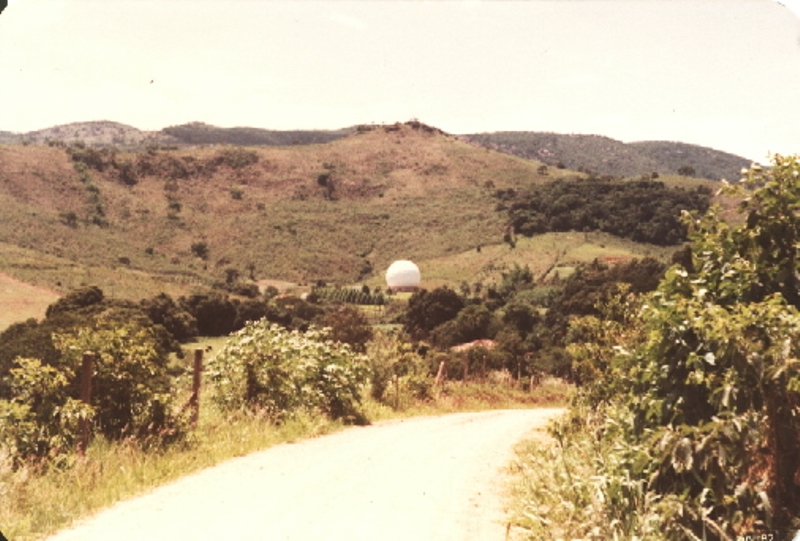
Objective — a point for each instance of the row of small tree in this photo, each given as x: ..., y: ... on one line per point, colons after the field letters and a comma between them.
x: 350, y: 295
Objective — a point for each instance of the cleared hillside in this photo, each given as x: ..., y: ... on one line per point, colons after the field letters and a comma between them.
x: 339, y: 211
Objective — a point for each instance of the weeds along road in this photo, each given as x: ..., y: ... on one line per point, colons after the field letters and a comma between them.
x: 431, y: 478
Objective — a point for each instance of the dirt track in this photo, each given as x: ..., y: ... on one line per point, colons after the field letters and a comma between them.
x: 433, y: 478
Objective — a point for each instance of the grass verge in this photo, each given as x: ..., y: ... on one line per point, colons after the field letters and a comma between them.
x: 34, y: 503
x: 572, y: 484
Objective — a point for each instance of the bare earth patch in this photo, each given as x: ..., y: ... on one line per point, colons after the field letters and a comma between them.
x: 20, y: 301
x: 431, y: 478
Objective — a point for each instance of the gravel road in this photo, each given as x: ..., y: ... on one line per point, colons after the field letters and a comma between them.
x: 430, y: 478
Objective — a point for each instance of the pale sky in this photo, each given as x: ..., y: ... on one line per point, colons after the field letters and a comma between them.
x: 718, y: 73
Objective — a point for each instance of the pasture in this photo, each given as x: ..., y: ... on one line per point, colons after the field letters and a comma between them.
x: 20, y: 301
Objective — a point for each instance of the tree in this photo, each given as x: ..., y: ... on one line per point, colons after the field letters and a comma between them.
x: 427, y: 310
x: 231, y: 275
x: 75, y: 299
x: 163, y: 310
x: 349, y: 326
x: 471, y: 323
x: 215, y: 313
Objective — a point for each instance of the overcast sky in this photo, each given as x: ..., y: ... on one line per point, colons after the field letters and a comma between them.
x: 719, y: 73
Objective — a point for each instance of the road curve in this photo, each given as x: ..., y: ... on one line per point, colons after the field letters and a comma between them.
x: 430, y: 478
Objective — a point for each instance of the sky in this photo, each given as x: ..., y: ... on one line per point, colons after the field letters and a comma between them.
x: 718, y: 73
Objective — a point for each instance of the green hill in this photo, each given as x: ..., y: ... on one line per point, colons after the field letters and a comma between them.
x: 607, y: 156
x: 198, y: 133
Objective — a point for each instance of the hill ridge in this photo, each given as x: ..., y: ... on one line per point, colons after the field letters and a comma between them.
x: 598, y: 153
x: 607, y: 156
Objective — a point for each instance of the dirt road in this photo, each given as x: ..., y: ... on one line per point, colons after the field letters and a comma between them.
x: 432, y: 478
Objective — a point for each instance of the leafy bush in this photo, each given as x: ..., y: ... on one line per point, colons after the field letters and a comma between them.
x: 40, y: 420
x: 349, y: 326
x: 200, y: 249
x: 131, y: 395
x: 278, y: 372
x: 699, y: 390
x: 398, y: 373
x: 162, y: 310
x: 131, y: 388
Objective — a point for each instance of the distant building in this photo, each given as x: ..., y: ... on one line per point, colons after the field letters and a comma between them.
x: 403, y: 275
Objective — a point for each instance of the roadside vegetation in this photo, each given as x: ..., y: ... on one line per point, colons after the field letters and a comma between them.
x: 290, y: 369
x: 161, y: 251
x: 685, y: 424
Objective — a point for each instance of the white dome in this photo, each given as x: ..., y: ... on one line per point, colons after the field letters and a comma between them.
x: 403, y: 274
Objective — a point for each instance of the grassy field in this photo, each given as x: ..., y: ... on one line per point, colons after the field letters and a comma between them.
x: 550, y: 252
x: 20, y: 301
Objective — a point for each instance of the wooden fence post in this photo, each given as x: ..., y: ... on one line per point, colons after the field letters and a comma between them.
x: 194, y: 401
x: 86, y: 397
x: 440, y: 375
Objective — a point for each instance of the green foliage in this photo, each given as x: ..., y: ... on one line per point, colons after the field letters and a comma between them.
x: 644, y: 211
x: 398, y: 373
x: 76, y: 299
x: 163, y: 310
x: 589, y: 287
x: 237, y: 158
x: 39, y: 419
x: 197, y: 133
x: 471, y: 323
x: 702, y: 383
x: 93, y: 158
x: 131, y: 388
x: 268, y: 369
x: 429, y: 309
x: 40, y: 412
x: 350, y: 295
x: 349, y: 326
x: 587, y: 482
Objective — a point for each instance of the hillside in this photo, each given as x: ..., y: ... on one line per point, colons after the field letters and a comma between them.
x: 106, y: 134
x: 607, y: 156
x: 98, y: 133
x: 340, y: 211
x: 198, y: 133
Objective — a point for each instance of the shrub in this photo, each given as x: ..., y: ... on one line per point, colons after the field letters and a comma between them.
x: 394, y: 363
x: 700, y: 388
x: 40, y: 420
x: 265, y: 368
x: 76, y: 299
x: 132, y: 397
x: 427, y: 310
x: 215, y: 314
x: 131, y: 390
x: 349, y: 326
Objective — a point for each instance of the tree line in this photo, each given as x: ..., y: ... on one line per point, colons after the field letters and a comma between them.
x: 642, y: 210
